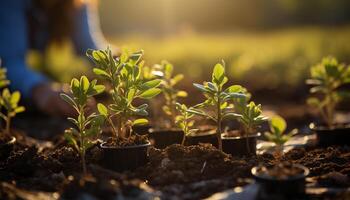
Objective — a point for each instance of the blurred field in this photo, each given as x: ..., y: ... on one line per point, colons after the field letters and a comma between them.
x: 261, y: 59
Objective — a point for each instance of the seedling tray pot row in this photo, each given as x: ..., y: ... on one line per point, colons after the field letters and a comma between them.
x: 240, y: 146
x: 6, y: 148
x: 339, y: 135
x: 163, y: 138
x: 287, y: 188
x: 198, y: 138
x: 121, y: 159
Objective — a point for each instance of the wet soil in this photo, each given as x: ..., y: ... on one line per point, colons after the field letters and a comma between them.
x: 133, y: 140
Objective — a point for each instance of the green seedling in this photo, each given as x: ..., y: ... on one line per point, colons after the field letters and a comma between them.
x: 87, y: 126
x: 326, y: 78
x: 218, y: 98
x: 124, y: 75
x: 8, y: 101
x: 276, y: 135
x: 164, y: 72
x: 184, y: 120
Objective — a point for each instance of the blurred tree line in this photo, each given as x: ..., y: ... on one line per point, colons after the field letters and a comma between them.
x: 164, y: 16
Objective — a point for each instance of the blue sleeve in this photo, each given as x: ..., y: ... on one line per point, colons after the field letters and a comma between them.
x: 87, y: 32
x: 14, y: 45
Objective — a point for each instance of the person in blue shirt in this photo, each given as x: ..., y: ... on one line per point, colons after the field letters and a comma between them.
x: 33, y: 24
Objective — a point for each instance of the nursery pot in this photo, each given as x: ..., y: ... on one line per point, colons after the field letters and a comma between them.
x: 339, y: 135
x: 6, y: 148
x: 124, y: 158
x: 239, y: 145
x: 202, y: 137
x: 141, y: 129
x: 163, y: 138
x: 292, y: 187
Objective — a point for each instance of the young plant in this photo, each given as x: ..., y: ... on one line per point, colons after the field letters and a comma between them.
x: 276, y: 135
x: 87, y: 126
x: 184, y: 121
x: 8, y: 101
x: 218, y: 98
x: 326, y: 78
x: 124, y: 75
x: 164, y: 72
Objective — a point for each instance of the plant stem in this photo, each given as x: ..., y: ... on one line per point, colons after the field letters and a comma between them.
x: 8, y: 124
x: 115, y: 132
x: 83, y: 162
x: 218, y: 122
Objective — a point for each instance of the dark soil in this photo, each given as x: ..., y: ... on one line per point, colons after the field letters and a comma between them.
x: 280, y: 171
x: 39, y: 168
x: 133, y: 140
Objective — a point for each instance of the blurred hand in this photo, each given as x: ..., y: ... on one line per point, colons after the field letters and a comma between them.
x: 47, y: 98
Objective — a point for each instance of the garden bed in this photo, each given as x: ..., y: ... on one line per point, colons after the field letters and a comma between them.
x: 37, y: 169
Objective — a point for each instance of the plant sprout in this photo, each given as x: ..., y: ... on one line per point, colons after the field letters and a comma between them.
x: 165, y: 73
x: 8, y: 101
x: 87, y: 126
x: 276, y: 135
x: 124, y: 75
x: 184, y: 121
x: 218, y: 98
x: 326, y: 78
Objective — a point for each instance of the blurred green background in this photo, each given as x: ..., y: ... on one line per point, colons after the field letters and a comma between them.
x: 267, y: 44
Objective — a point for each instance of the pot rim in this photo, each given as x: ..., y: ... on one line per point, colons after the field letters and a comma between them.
x: 315, y: 127
x: 305, y: 173
x: 224, y: 136
x: 102, y: 146
x: 155, y: 130
x: 201, y: 134
x: 11, y: 141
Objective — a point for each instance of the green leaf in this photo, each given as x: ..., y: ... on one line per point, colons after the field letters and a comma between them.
x: 99, y: 89
x: 278, y: 123
x: 151, y: 84
x: 19, y: 109
x: 100, y: 72
x: 68, y: 99
x: 84, y: 84
x: 15, y: 97
x: 140, y: 122
x: 102, y: 109
x: 150, y: 93
x: 235, y: 89
x: 200, y: 87
x: 181, y: 93
x: 218, y: 73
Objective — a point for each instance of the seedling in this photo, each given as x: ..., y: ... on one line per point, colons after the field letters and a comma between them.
x: 165, y: 73
x: 326, y: 78
x: 276, y: 135
x: 124, y: 75
x: 8, y: 101
x: 218, y: 98
x: 87, y: 126
x: 184, y: 121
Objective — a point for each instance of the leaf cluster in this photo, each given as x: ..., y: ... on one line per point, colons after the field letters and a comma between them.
x: 184, y: 119
x: 165, y: 72
x: 277, y: 128
x: 218, y: 97
x: 9, y: 101
x: 86, y: 126
x: 124, y: 73
x: 326, y: 79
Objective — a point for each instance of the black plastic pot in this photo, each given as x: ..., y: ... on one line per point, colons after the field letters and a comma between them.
x: 6, y: 148
x: 239, y: 146
x: 339, y: 135
x: 205, y: 137
x: 273, y: 188
x: 163, y: 138
x: 141, y: 129
x: 124, y: 158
